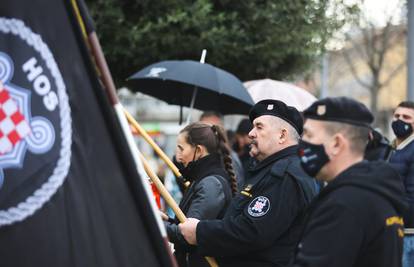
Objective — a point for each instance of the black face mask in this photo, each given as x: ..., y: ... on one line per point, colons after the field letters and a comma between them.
x: 401, y: 129
x: 186, y: 171
x: 312, y: 157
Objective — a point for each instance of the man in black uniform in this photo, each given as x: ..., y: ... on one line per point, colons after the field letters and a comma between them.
x: 262, y: 224
x: 355, y: 221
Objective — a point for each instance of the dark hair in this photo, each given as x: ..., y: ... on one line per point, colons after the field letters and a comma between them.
x: 211, y: 113
x: 406, y: 104
x: 357, y: 135
x: 212, y: 137
x: 244, y: 127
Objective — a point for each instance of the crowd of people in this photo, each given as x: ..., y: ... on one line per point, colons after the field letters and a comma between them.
x: 312, y: 189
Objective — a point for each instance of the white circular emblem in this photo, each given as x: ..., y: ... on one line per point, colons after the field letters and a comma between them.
x: 259, y: 206
x: 35, y: 123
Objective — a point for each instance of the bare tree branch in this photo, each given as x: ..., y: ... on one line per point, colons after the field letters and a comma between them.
x: 356, y: 46
x: 393, y: 73
x: 382, y: 50
x: 353, y: 70
x: 375, y: 43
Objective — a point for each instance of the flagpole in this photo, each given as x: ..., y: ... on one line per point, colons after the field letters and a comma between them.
x: 119, y: 110
x: 156, y: 148
x: 101, y: 62
x: 170, y: 200
x: 163, y: 191
x: 110, y: 89
x: 140, y: 163
x: 109, y: 86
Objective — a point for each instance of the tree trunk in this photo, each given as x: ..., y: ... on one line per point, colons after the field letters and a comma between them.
x: 374, y: 100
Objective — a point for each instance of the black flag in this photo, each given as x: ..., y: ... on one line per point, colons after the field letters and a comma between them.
x: 70, y: 194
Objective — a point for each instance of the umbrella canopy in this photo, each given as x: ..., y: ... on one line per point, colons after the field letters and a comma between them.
x: 176, y: 81
x: 285, y: 92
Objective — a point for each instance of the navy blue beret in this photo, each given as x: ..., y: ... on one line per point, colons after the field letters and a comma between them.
x: 278, y: 109
x: 340, y: 109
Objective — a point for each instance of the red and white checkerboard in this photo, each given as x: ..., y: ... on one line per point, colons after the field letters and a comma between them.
x: 13, y: 125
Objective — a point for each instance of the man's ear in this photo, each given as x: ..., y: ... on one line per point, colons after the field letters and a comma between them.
x: 283, y: 136
x: 337, y: 144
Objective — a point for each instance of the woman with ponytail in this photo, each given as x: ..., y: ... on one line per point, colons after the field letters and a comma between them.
x: 204, y: 156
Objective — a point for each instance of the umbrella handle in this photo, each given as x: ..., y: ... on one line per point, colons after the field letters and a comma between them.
x: 203, y: 56
x: 156, y: 148
x: 202, y: 60
x: 192, y: 105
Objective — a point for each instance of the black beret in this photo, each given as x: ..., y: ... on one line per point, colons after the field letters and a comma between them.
x: 278, y: 109
x: 340, y: 109
x: 244, y: 127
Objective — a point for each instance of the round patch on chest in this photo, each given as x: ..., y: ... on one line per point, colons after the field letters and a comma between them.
x: 259, y: 206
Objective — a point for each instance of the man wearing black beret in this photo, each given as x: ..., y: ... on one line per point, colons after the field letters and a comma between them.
x: 263, y: 222
x: 355, y: 221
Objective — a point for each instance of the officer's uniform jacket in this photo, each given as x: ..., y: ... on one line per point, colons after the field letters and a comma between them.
x: 262, y: 224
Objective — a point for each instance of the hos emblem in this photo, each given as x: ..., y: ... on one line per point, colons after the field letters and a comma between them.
x: 35, y: 123
x: 259, y: 206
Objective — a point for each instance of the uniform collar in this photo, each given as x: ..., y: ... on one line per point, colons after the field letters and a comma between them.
x: 291, y: 150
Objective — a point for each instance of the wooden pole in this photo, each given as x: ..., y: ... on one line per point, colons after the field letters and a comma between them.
x: 156, y: 148
x: 163, y: 191
x: 109, y: 85
x: 91, y: 40
x: 149, y: 140
x: 169, y: 199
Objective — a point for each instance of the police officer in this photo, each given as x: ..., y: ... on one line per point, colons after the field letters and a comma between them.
x: 355, y: 221
x: 262, y: 224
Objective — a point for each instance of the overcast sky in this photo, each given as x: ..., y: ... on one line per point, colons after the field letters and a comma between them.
x: 380, y: 10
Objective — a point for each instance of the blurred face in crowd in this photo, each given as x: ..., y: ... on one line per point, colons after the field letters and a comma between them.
x: 266, y: 137
x: 404, y: 114
x: 242, y: 140
x: 184, y: 152
x: 213, y: 120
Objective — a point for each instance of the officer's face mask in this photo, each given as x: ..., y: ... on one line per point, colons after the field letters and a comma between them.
x: 401, y: 128
x: 312, y: 157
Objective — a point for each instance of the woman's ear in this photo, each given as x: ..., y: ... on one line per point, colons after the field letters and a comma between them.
x: 197, y: 152
x: 201, y: 151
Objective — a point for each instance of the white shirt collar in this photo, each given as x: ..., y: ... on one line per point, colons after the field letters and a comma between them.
x: 405, y: 142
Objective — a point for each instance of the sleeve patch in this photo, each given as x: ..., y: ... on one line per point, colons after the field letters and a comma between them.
x: 259, y: 206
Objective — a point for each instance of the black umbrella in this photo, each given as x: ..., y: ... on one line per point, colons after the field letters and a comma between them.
x: 183, y: 82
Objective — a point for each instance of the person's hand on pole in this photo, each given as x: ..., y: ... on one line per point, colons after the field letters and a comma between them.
x: 188, y: 230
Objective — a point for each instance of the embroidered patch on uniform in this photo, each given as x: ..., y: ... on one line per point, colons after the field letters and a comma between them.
x: 259, y: 206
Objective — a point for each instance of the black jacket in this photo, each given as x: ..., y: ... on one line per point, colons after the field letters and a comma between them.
x: 207, y: 198
x: 355, y: 221
x: 262, y: 224
x: 403, y: 161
